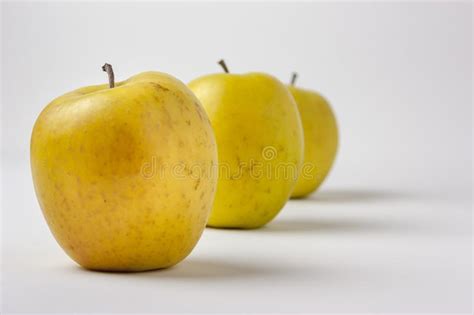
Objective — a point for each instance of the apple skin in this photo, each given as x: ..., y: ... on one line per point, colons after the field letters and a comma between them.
x: 256, y: 124
x: 97, y: 156
x: 320, y: 140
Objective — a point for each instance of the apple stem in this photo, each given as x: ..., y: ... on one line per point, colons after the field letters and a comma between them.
x: 110, y: 72
x: 223, y: 65
x: 294, y: 76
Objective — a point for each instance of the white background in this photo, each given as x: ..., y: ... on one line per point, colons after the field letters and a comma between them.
x: 390, y: 231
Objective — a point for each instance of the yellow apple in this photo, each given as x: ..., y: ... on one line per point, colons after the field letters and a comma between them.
x: 260, y: 146
x: 320, y: 139
x: 125, y: 175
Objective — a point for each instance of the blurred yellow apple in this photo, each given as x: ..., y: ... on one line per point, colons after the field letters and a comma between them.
x: 260, y: 145
x: 125, y: 174
x: 320, y: 139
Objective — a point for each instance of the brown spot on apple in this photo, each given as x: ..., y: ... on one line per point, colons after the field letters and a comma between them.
x: 158, y: 87
x: 198, y: 181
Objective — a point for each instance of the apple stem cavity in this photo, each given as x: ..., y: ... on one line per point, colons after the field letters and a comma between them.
x: 294, y: 76
x: 110, y: 72
x: 223, y: 65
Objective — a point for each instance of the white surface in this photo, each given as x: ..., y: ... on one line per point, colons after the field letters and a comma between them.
x: 391, y: 231
x: 344, y: 250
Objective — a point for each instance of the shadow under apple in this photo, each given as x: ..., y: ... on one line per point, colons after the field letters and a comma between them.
x: 193, y: 268
x: 325, y: 225
x: 342, y: 224
x: 354, y: 195
x: 205, y: 268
